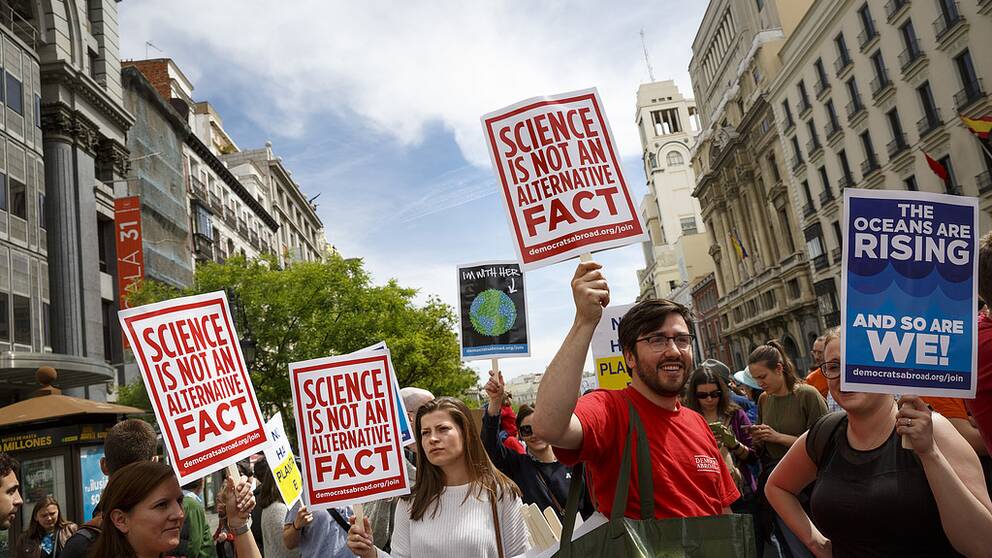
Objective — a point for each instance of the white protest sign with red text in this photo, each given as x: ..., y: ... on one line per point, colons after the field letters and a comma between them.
x: 560, y: 178
x: 348, y: 426
x: 191, y: 363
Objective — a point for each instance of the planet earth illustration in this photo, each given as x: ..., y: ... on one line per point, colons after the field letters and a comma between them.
x: 492, y: 313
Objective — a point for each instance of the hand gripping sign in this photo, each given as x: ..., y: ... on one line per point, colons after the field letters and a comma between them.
x: 349, y: 429
x: 909, y: 298
x: 191, y: 363
x: 560, y: 178
x: 611, y: 368
x: 282, y: 463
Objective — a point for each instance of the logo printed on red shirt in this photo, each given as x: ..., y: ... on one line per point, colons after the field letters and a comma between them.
x: 707, y: 464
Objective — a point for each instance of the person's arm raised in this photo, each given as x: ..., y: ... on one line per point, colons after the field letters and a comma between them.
x: 558, y: 393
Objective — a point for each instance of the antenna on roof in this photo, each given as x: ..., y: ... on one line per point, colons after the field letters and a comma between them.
x: 647, y: 59
x: 149, y: 44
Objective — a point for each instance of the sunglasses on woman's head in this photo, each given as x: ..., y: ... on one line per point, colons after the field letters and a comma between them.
x: 709, y: 394
x: 526, y: 430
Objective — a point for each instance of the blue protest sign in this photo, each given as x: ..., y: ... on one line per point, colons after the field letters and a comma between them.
x: 909, y: 293
x: 93, y: 479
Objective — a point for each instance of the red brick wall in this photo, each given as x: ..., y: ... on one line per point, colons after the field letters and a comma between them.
x: 156, y: 72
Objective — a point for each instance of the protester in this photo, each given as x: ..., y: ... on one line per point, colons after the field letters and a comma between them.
x: 461, y: 505
x: 321, y: 534
x: 195, y: 540
x: 736, y: 397
x: 507, y: 433
x: 381, y: 512
x: 874, y: 498
x: 981, y: 405
x: 259, y: 469
x: 47, y: 532
x: 786, y: 409
x: 142, y: 505
x: 816, y: 378
x: 10, y: 491
x: 274, y: 510
x: 542, y: 479
x: 127, y: 442
x: 656, y: 338
x: 709, y: 396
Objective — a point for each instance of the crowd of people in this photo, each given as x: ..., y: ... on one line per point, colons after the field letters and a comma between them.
x: 822, y: 472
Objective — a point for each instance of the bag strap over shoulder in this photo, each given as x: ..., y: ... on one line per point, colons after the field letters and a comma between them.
x: 645, y: 482
x: 820, y: 438
x: 571, y: 510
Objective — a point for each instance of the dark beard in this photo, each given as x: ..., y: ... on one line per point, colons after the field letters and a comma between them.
x: 655, y: 385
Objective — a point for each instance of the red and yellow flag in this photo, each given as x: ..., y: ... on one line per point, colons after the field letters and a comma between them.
x: 981, y: 127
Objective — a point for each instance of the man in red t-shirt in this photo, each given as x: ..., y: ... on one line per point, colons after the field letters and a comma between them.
x: 981, y: 405
x: 690, y: 477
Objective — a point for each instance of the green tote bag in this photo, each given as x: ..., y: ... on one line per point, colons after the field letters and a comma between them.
x: 719, y: 536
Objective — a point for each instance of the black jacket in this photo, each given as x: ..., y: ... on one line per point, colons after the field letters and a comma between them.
x: 528, y: 473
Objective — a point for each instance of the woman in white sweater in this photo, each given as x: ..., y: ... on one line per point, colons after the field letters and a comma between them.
x: 461, y: 504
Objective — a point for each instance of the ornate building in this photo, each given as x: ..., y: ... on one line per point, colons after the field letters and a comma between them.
x: 763, y: 280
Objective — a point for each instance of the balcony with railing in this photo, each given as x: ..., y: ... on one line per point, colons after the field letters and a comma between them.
x: 930, y: 122
x: 854, y: 109
x: 869, y: 165
x: 893, y: 8
x: 198, y: 189
x: 833, y: 128
x: 845, y: 182
x: 880, y: 84
x: 230, y: 218
x: 984, y: 182
x: 897, y: 146
x: 842, y: 64
x: 12, y: 19
x: 948, y: 20
x: 910, y: 55
x: 790, y: 123
x: 215, y: 202
x: 813, y: 146
x: 797, y: 163
x: 821, y: 87
x: 826, y: 196
x: 808, y: 209
x: 803, y: 106
x: 867, y: 36
x: 973, y: 92
x: 243, y: 228
x: 253, y: 239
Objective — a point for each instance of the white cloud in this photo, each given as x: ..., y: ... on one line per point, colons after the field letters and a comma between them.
x: 404, y: 66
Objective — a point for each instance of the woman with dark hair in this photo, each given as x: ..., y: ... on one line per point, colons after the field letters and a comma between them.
x: 786, y: 409
x: 143, y: 514
x: 274, y: 512
x: 46, y: 534
x: 892, y: 479
x: 461, y: 505
x: 709, y: 395
x: 543, y: 480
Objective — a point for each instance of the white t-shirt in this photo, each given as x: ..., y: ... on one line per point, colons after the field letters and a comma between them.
x: 461, y: 527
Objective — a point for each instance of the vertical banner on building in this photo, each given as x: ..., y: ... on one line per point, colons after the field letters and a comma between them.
x: 560, y: 178
x: 130, y: 257
x: 611, y: 368
x: 909, y: 296
x: 348, y: 426
x: 282, y: 462
x: 191, y: 362
x: 492, y: 305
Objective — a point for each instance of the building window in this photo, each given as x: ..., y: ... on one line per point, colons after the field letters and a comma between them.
x: 22, y: 320
x: 42, y: 221
x: 787, y: 114
x: 855, y: 106
x: 773, y: 165
x: 832, y: 116
x: 652, y: 161
x: 797, y: 154
x: 202, y: 223
x: 4, y: 317
x: 37, y: 111
x: 825, y: 182
x: 868, y: 31
x: 931, y: 117
x: 871, y: 159
x: 689, y: 225
x: 786, y: 224
x: 969, y: 80
x: 845, y: 167
x: 18, y: 199
x: 814, y: 138
x: 898, y: 143
x: 838, y: 234
x: 881, y: 80
x: 808, y: 197
x: 821, y: 76
x: 827, y: 302
x: 15, y: 94
x: 910, y: 183
x: 843, y: 54
x: 911, y: 42
x: 803, y: 96
x: 793, y: 286
x: 666, y: 122
x: 675, y: 159
x: 950, y: 185
x: 3, y: 191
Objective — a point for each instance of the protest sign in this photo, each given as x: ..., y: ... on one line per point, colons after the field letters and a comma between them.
x: 909, y: 297
x: 190, y: 360
x: 492, y: 305
x: 282, y: 462
x: 406, y: 433
x: 611, y: 368
x: 348, y: 427
x: 560, y: 178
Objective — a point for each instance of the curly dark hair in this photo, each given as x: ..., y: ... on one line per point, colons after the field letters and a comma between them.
x: 8, y: 464
x: 645, y: 317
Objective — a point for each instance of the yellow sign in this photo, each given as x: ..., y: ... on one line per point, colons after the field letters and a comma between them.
x: 611, y: 369
x: 279, y: 455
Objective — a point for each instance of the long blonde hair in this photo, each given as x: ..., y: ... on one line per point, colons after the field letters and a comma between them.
x: 485, y: 477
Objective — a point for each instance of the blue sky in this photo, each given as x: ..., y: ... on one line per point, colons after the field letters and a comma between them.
x: 375, y: 106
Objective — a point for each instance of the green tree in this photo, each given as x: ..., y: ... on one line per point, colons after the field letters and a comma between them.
x: 317, y: 309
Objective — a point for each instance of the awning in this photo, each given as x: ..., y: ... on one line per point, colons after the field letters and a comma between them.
x: 17, y: 370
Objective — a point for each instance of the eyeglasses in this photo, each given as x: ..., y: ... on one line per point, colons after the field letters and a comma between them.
x: 526, y: 430
x: 709, y: 394
x: 659, y: 343
x: 831, y: 370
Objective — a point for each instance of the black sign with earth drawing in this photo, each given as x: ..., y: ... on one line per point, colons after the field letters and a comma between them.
x: 493, y: 311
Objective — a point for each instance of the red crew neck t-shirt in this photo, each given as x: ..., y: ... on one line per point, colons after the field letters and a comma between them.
x: 690, y: 477
x: 981, y: 405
